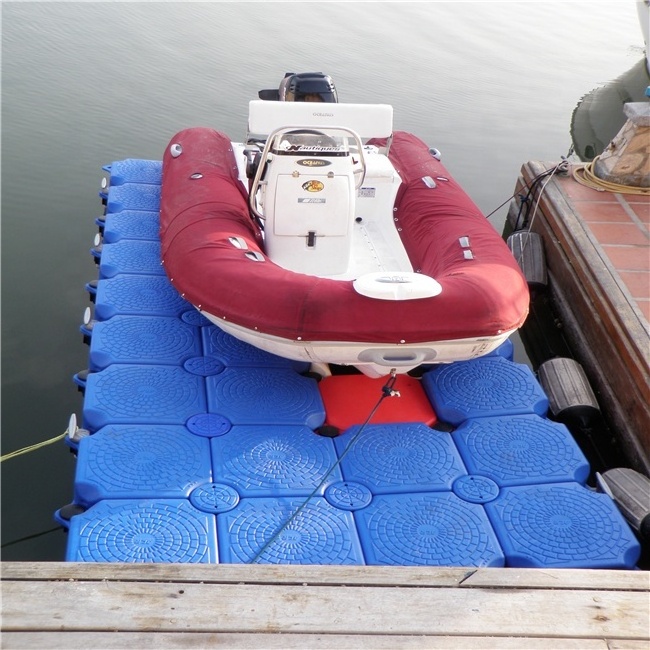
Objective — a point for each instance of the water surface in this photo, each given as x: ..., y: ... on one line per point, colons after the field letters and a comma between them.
x: 490, y: 84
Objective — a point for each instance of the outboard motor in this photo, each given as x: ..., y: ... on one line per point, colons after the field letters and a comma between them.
x: 303, y: 87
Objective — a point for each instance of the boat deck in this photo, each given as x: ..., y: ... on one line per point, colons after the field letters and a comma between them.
x: 68, y: 605
x: 620, y: 224
x: 597, y: 246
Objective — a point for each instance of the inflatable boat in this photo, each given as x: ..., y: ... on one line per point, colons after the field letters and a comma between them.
x: 330, y: 238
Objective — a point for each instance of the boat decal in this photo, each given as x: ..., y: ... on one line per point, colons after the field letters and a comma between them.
x: 313, y: 162
x: 367, y: 192
x: 313, y: 186
x: 314, y: 148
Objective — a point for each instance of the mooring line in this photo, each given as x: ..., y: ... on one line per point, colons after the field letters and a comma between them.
x: 38, y: 445
x: 387, y: 391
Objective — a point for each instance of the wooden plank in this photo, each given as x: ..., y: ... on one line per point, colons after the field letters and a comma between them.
x: 172, y: 607
x: 560, y: 579
x: 588, y: 269
x: 604, y: 329
x: 389, y: 576
x: 237, y: 573
x: 157, y: 640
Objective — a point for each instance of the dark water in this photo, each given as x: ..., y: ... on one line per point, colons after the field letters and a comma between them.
x: 490, y: 84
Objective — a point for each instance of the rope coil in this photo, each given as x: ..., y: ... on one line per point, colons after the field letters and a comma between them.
x: 584, y: 174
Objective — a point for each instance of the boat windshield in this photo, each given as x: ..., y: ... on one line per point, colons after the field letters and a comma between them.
x: 305, y: 143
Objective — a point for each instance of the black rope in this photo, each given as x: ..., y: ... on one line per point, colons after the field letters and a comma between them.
x: 525, y: 198
x: 386, y: 391
x: 34, y: 536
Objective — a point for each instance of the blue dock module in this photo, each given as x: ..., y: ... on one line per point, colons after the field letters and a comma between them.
x: 485, y: 386
x: 138, y: 295
x: 130, y: 256
x: 143, y: 530
x: 433, y: 529
x: 135, y: 170
x: 256, y: 531
x: 520, y: 450
x: 136, y: 225
x: 398, y: 458
x: 126, y: 394
x: 133, y: 196
x: 246, y: 395
x: 235, y: 353
x: 140, y: 462
x: 562, y: 525
x: 144, y: 340
x: 274, y: 461
x: 202, y: 448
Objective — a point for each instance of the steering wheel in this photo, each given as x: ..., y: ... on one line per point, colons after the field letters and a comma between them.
x: 323, y: 141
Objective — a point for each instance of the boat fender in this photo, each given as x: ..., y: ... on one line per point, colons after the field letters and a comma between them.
x: 569, y: 392
x: 528, y: 249
x: 396, y: 285
x: 631, y: 493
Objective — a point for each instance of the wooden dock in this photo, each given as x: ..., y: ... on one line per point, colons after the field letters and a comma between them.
x: 71, y: 605
x: 597, y: 247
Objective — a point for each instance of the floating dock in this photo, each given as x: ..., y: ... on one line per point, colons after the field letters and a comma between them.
x: 203, y: 449
x: 597, y: 249
x: 197, y: 451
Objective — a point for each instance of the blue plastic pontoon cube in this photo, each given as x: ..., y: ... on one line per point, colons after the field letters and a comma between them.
x: 520, y: 450
x: 562, y: 525
x: 265, y: 396
x: 135, y: 170
x: 130, y: 394
x: 133, y: 196
x: 138, y: 295
x: 483, y: 387
x: 145, y: 530
x: 131, y: 224
x: 274, y: 460
x: 434, y: 529
x: 233, y: 352
x: 140, y: 461
x: 318, y: 534
x: 393, y: 458
x: 143, y: 340
x: 131, y: 256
